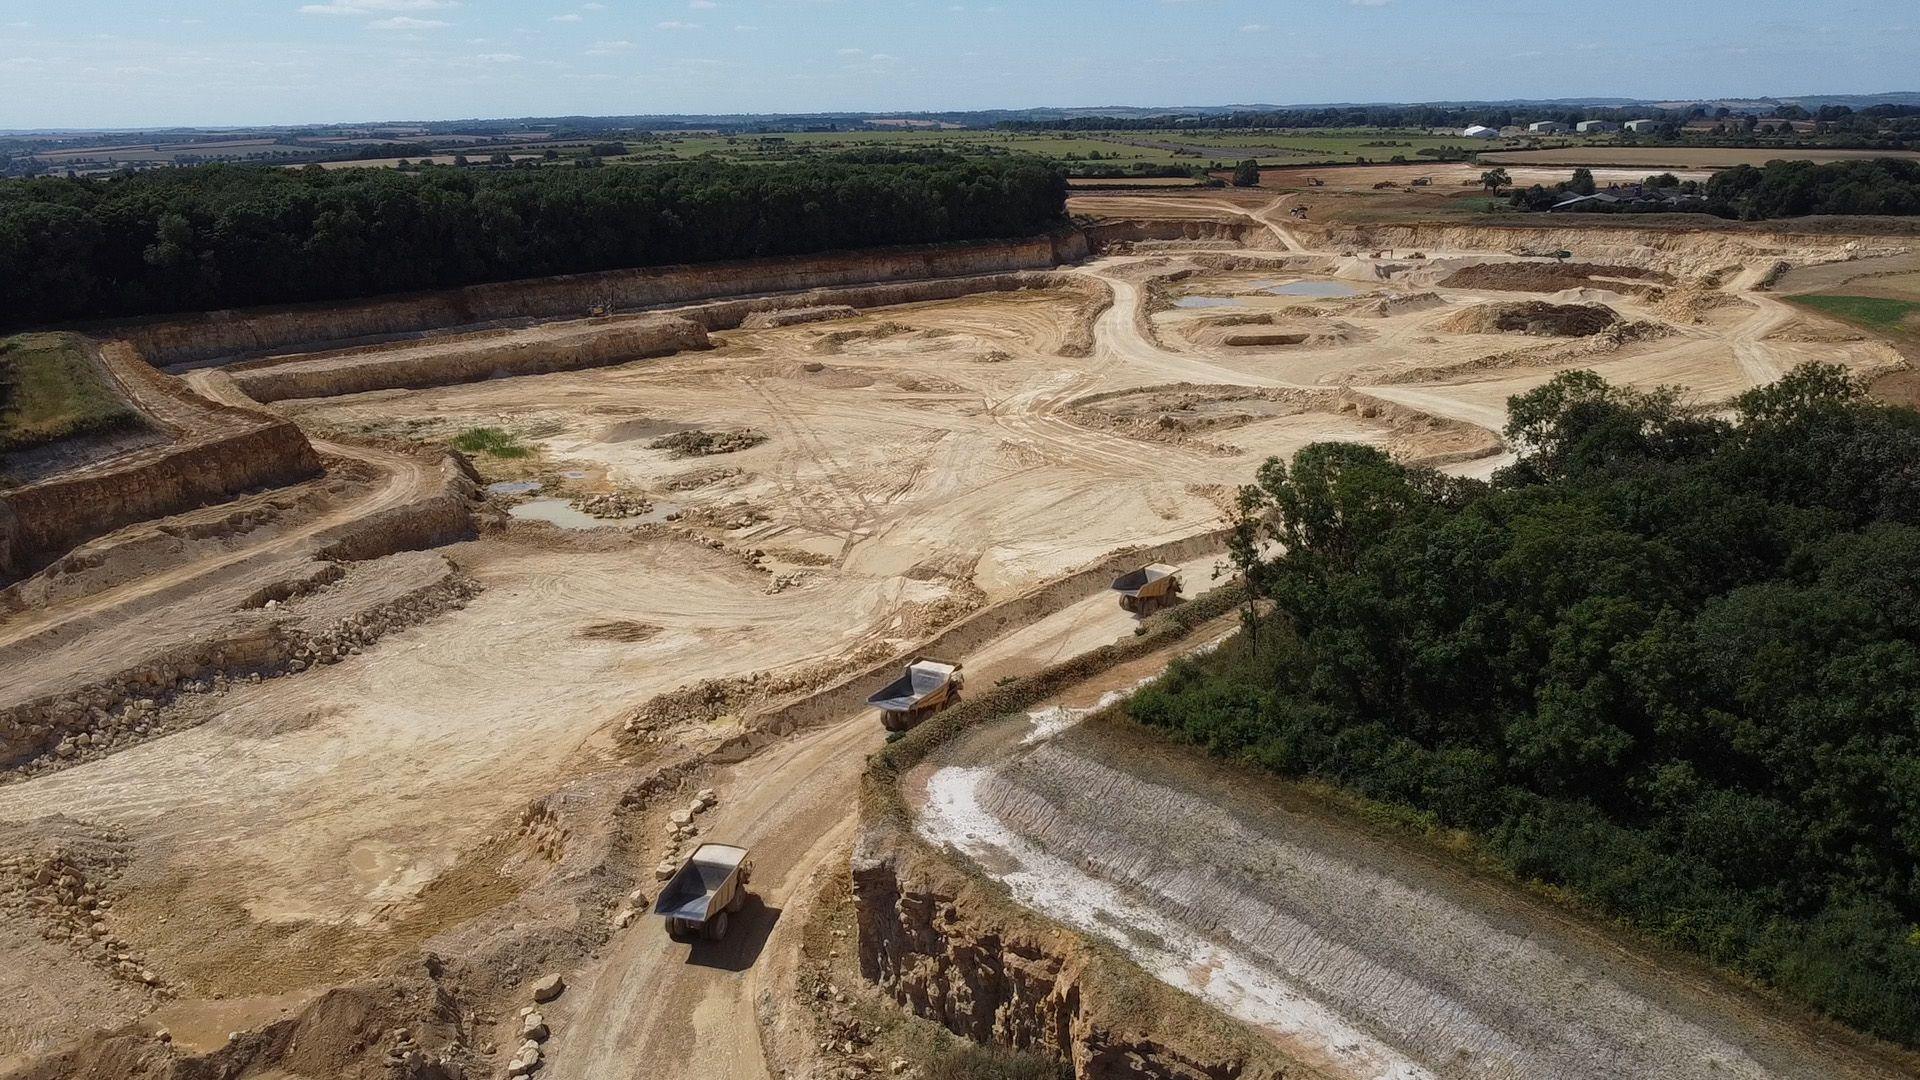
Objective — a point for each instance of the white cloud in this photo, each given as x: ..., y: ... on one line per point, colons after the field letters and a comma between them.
x: 702, y: 5
x: 1254, y: 28
x: 403, y: 22
x: 568, y: 17
x: 676, y: 24
x: 608, y: 48
x: 374, y: 7
x: 499, y: 58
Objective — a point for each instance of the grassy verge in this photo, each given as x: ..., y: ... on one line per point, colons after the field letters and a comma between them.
x: 1879, y: 313
x: 51, y: 390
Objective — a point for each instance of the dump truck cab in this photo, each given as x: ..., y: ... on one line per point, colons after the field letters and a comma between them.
x: 928, y: 687
x: 710, y: 886
x: 1148, y: 588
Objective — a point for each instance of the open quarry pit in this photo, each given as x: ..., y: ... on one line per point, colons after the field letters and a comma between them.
x: 375, y: 698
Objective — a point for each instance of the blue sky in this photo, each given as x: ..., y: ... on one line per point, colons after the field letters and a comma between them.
x: 138, y: 62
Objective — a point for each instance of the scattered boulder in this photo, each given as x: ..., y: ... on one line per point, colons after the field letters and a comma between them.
x: 533, y: 1028
x: 549, y: 988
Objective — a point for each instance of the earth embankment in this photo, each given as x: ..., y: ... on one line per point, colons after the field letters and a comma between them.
x: 1363, y: 954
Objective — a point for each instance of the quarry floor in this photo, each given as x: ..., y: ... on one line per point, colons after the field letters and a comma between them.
x: 920, y: 462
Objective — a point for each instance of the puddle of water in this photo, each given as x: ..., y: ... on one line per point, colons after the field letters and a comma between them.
x: 514, y: 487
x: 563, y: 513
x: 1323, y: 289
x: 574, y: 474
x: 1208, y: 302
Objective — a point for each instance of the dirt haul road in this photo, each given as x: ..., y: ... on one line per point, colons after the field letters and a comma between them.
x: 651, y: 1007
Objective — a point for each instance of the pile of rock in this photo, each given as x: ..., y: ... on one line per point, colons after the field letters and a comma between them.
x: 703, y: 478
x: 681, y: 829
x: 612, y: 506
x: 541, y: 824
x: 636, y: 905
x: 534, y: 1031
x: 350, y: 635
x: 698, y: 443
x: 782, y: 582
x: 62, y: 893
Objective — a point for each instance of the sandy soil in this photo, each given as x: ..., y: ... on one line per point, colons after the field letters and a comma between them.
x: 919, y: 462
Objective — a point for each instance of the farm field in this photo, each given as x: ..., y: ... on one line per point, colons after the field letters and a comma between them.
x: 1682, y: 157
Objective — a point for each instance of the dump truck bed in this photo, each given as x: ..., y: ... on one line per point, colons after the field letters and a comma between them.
x: 690, y: 894
x: 1146, y: 581
x: 924, y: 679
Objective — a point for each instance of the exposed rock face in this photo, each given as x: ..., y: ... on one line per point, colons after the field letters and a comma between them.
x: 1113, y: 234
x: 470, y: 358
x: 211, y: 452
x: 231, y: 333
x: 947, y: 952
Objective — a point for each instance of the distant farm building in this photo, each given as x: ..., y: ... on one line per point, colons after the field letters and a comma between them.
x: 1547, y: 127
x: 1481, y: 131
x: 1596, y: 127
x: 1642, y: 125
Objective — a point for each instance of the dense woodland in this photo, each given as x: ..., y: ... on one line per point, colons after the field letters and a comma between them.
x: 233, y: 236
x: 1797, y: 188
x: 1668, y: 662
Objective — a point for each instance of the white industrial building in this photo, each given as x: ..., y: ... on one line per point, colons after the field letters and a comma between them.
x: 1547, y: 127
x: 1481, y: 131
x: 1642, y: 125
x: 1596, y: 127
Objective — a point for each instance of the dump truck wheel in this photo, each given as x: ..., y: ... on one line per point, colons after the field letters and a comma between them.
x: 889, y: 721
x: 676, y: 929
x: 739, y: 900
x: 716, y: 927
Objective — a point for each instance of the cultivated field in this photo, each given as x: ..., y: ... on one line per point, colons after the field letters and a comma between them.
x: 1682, y: 157
x: 294, y: 739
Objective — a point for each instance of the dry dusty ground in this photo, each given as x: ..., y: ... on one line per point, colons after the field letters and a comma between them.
x: 918, y: 463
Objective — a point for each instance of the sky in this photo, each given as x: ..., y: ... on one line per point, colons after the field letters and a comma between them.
x: 134, y: 63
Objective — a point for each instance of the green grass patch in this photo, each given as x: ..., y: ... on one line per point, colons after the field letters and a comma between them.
x: 50, y: 389
x: 498, y: 442
x: 1878, y: 312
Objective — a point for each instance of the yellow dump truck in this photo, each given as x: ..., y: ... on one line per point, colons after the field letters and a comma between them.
x: 1148, y: 588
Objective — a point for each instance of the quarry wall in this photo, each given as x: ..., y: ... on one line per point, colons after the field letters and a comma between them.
x: 1680, y: 251
x: 215, y: 335
x: 610, y: 340
x: 483, y: 357
x: 950, y: 946
x: 81, y: 721
x: 213, y: 452
x: 52, y: 518
x: 1245, y: 233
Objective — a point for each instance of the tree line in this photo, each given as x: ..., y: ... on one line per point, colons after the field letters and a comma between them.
x: 233, y: 236
x: 1888, y: 186
x: 1668, y: 662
